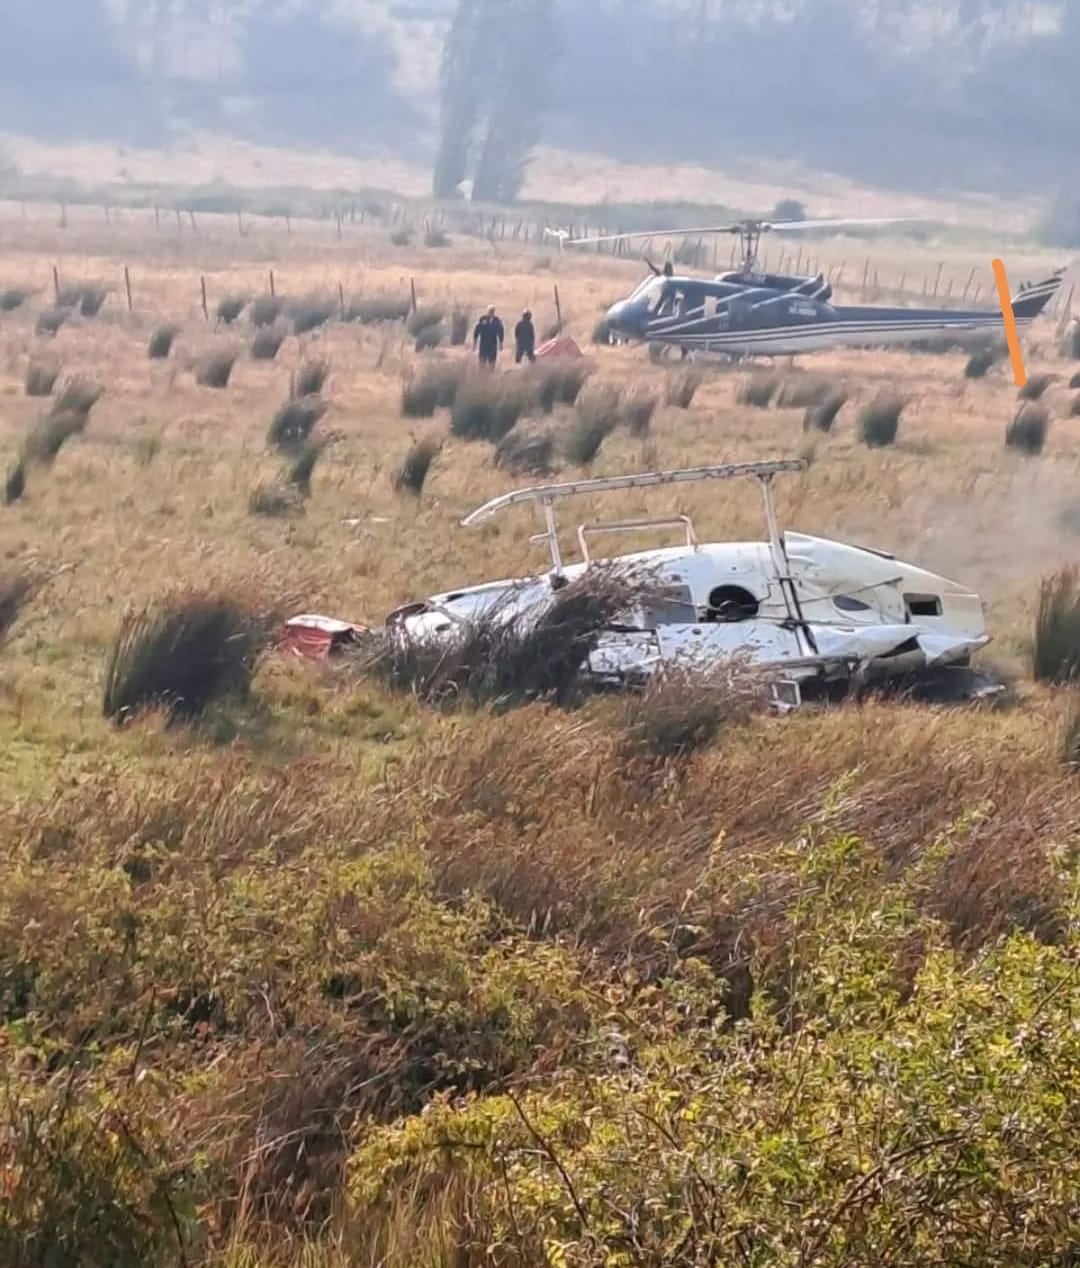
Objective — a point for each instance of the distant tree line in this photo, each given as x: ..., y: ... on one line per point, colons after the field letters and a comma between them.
x: 496, y: 81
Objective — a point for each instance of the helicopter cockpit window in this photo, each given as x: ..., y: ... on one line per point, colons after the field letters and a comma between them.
x: 650, y: 296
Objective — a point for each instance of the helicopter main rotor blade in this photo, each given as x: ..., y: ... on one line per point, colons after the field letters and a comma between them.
x: 742, y: 226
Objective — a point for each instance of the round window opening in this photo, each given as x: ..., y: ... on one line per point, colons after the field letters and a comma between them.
x: 732, y: 603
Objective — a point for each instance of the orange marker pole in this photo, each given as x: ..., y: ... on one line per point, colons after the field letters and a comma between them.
x: 1011, y: 336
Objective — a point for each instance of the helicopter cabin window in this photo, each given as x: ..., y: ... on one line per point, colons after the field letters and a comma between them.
x: 923, y: 604
x: 730, y: 604
x: 742, y: 312
x: 846, y: 603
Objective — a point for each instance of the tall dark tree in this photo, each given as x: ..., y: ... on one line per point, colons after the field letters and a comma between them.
x: 496, y: 77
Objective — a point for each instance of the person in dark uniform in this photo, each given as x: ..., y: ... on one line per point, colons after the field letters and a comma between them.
x: 525, y: 339
x: 488, y: 337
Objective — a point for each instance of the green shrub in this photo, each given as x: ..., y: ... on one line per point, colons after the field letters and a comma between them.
x: 879, y: 421
x: 1055, y: 653
x: 1028, y: 429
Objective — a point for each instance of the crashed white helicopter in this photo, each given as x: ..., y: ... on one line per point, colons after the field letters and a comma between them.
x: 806, y: 611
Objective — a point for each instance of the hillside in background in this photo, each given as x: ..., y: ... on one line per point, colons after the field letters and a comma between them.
x: 975, y: 94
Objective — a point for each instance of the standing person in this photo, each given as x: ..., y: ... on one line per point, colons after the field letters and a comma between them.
x: 488, y: 337
x: 525, y: 339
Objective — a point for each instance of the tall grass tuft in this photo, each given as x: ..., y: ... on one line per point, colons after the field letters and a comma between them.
x: 215, y: 369
x: 682, y: 388
x: 77, y: 396
x: 557, y: 383
x: 1070, y: 732
x: 266, y: 309
x: 416, y: 466
x: 1028, y: 429
x: 506, y: 660
x: 48, y: 436
x: 16, y: 591
x: 758, y: 389
x: 1074, y: 382
x: 230, y: 308
x: 428, y: 338
x: 822, y: 417
x: 981, y: 363
x: 1070, y: 344
x: 460, y: 321
x: 486, y: 407
x: 1074, y: 407
x: 802, y: 391
x: 161, y: 341
x: 309, y: 314
x: 311, y: 378
x: 1036, y: 387
x: 87, y: 297
x: 266, y: 342
x: 679, y: 713
x: 15, y: 482
x: 275, y: 500
x: 523, y: 454
x: 50, y: 321
x: 879, y: 421
x: 601, y: 333
x: 424, y: 318
x: 375, y: 309
x: 637, y: 409
x: 11, y: 298
x: 41, y: 378
x: 183, y: 652
x: 302, y: 467
x: 597, y: 416
x: 1055, y: 649
x: 294, y: 422
x: 435, y: 386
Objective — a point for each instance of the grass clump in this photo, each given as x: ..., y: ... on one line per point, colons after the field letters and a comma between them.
x: 486, y: 407
x: 78, y: 396
x: 48, y: 436
x: 423, y: 319
x: 401, y: 237
x: 1074, y: 382
x: 822, y: 417
x: 230, y: 308
x: 1036, y: 387
x: 182, y: 653
x: 433, y: 387
x: 1070, y: 732
x: 302, y: 468
x: 266, y: 343
x: 879, y: 421
x: 980, y: 363
x: 682, y: 388
x: 16, y: 591
x: 428, y: 338
x: 215, y: 369
x: 87, y: 297
x: 557, y: 383
x: 1070, y: 344
x: 416, y: 466
x: 506, y: 660
x: 1055, y: 649
x: 597, y: 416
x: 523, y: 454
x: 637, y: 409
x: 266, y: 309
x: 15, y: 482
x: 309, y: 314
x: 758, y: 389
x: 678, y: 713
x: 294, y: 422
x: 11, y: 298
x: 1028, y: 429
x: 802, y: 391
x: 161, y: 341
x: 601, y: 333
x: 1074, y: 407
x: 460, y: 321
x: 50, y: 321
x: 274, y: 500
x: 435, y: 238
x: 311, y: 378
x: 41, y: 378
x: 375, y: 310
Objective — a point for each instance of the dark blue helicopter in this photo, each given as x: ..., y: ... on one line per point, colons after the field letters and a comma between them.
x: 746, y: 312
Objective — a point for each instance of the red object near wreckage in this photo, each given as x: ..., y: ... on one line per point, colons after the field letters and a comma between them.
x: 318, y: 637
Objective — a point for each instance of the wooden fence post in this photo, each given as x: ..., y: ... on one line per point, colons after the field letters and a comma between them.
x: 412, y: 292
x: 341, y: 299
x: 205, y: 308
x: 558, y: 310
x: 56, y: 282
x: 273, y: 293
x: 127, y: 286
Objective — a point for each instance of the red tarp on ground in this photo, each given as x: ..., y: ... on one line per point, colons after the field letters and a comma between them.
x: 318, y: 637
x: 562, y: 346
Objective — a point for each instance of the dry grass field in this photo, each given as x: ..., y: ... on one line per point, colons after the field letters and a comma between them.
x: 239, y: 959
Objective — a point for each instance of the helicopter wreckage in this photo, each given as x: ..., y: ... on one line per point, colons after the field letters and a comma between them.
x: 806, y: 614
